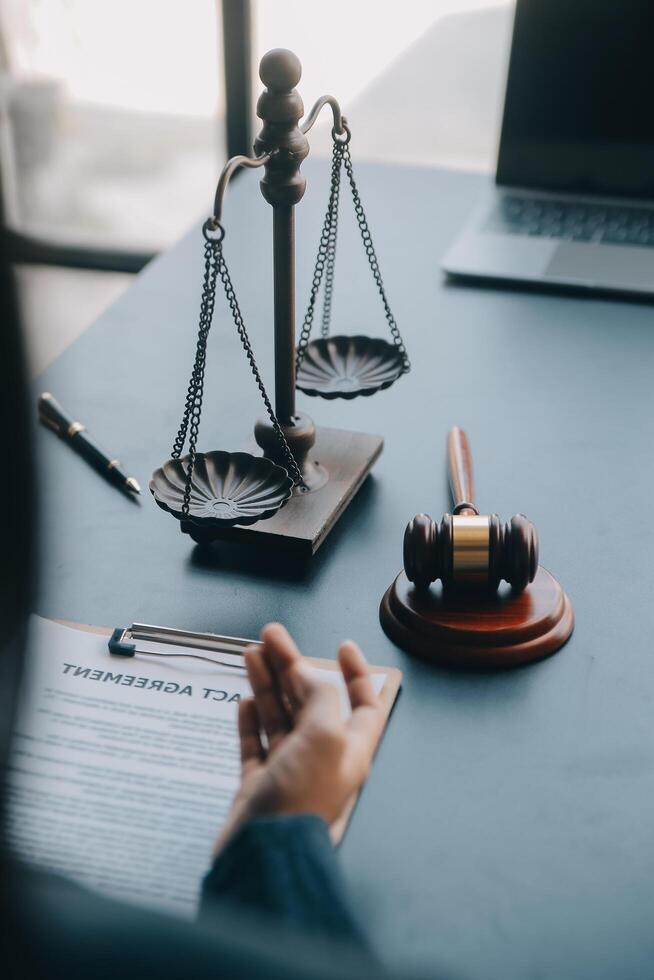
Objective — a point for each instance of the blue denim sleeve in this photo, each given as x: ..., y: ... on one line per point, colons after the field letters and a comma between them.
x: 284, y: 867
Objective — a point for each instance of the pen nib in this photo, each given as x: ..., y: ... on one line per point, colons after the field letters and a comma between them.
x: 132, y: 484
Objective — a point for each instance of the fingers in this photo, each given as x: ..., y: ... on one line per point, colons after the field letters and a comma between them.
x: 367, y: 719
x: 299, y: 685
x: 310, y: 698
x: 320, y: 704
x: 357, y: 676
x: 272, y: 712
x: 283, y: 658
x: 317, y: 700
x: 279, y: 645
x: 281, y: 655
x: 249, y: 733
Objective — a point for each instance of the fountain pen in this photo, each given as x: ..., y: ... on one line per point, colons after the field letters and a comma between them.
x: 52, y: 414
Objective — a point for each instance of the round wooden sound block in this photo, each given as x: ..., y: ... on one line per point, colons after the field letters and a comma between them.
x: 478, y: 630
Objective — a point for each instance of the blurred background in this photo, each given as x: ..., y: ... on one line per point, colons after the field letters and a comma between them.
x: 116, y: 117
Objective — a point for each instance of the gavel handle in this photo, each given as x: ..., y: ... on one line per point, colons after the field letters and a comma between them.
x: 459, y: 461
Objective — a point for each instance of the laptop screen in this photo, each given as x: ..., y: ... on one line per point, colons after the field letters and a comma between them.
x: 579, y: 109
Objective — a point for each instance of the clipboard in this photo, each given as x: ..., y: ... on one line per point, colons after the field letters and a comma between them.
x: 216, y: 648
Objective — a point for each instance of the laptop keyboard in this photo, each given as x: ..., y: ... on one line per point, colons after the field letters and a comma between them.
x: 549, y: 218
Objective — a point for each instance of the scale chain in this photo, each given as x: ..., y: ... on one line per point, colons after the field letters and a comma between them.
x: 327, y: 252
x: 366, y: 238
x: 193, y: 406
x: 323, y: 259
x: 208, y: 292
x: 331, y: 241
x: 245, y: 340
x: 215, y: 266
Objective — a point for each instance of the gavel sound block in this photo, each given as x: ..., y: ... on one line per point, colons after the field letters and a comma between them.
x: 469, y: 620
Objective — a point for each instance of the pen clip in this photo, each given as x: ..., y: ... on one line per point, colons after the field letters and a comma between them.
x: 51, y: 424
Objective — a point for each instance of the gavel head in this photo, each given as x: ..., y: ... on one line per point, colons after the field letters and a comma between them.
x: 470, y: 550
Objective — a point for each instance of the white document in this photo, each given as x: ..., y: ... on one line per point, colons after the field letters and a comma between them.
x: 123, y: 770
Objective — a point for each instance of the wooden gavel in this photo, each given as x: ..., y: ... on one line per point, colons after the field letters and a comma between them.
x: 466, y: 548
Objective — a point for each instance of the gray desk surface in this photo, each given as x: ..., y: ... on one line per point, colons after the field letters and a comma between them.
x: 506, y: 830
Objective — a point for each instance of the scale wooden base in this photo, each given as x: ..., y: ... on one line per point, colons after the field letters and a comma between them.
x: 476, y: 630
x: 304, y: 522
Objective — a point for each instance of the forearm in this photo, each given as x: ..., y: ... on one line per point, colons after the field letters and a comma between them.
x: 283, y: 867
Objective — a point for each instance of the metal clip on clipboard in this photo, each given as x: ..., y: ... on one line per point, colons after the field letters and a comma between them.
x: 133, y: 640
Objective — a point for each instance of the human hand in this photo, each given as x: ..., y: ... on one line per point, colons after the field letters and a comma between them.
x: 313, y: 761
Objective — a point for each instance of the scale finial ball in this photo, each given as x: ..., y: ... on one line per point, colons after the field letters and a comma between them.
x: 280, y: 69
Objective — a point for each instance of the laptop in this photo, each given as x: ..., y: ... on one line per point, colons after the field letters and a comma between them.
x: 573, y: 202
